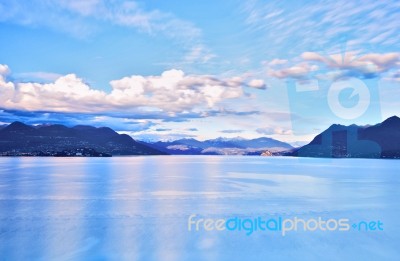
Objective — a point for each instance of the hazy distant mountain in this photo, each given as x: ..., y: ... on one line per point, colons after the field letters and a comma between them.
x: 221, y: 146
x: 378, y: 141
x: 298, y: 144
x: 20, y: 137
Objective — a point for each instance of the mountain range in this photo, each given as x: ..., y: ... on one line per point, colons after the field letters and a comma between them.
x: 338, y: 141
x: 17, y: 138
x: 221, y: 146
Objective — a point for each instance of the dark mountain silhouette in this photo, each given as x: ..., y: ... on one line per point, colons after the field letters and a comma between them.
x: 378, y: 141
x: 224, y: 146
x: 19, y: 137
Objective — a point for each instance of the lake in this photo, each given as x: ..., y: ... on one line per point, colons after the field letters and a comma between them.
x: 139, y: 208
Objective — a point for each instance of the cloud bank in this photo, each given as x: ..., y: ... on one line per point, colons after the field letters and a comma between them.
x: 171, y: 94
x: 274, y: 131
x: 324, y: 24
x: 79, y: 17
x: 336, y: 66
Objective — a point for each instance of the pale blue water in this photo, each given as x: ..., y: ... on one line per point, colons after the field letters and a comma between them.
x: 137, y: 208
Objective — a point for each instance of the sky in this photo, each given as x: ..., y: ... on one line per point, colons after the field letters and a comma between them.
x: 164, y: 70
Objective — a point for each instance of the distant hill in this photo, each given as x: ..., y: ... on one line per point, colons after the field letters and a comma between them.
x: 378, y: 141
x: 221, y: 146
x: 19, y: 137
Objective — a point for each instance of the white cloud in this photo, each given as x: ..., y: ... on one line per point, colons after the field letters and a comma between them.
x: 81, y: 18
x: 338, y: 65
x: 198, y: 53
x: 257, y: 83
x: 367, y: 63
x: 231, y: 131
x: 6, y: 88
x: 170, y: 93
x: 4, y: 70
x: 85, y: 8
x: 274, y: 131
x: 323, y: 24
x: 277, y: 62
x: 297, y: 71
x: 133, y: 15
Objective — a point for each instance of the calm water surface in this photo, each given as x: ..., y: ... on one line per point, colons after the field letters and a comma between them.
x: 137, y: 208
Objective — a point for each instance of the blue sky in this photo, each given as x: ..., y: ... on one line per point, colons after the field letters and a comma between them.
x: 167, y: 69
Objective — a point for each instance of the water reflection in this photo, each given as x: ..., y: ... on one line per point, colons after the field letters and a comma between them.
x: 136, y: 208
